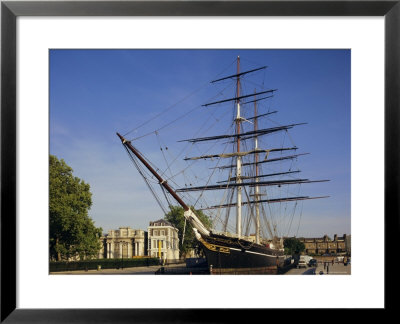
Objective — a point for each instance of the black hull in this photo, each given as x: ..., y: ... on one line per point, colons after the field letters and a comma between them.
x: 224, y: 253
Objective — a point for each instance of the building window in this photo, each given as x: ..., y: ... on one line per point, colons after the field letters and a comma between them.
x: 162, y: 233
x: 155, y: 233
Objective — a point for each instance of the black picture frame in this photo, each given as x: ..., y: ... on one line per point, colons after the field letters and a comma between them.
x: 10, y: 10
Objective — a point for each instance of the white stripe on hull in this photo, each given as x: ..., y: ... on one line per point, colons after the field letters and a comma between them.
x: 267, y: 255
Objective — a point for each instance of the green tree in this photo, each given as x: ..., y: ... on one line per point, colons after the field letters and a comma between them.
x: 175, y: 216
x: 72, y: 231
x: 293, y: 246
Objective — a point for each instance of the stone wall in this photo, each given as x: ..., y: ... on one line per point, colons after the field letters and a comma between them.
x: 123, y: 243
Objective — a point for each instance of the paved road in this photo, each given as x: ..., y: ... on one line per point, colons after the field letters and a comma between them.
x: 335, y: 269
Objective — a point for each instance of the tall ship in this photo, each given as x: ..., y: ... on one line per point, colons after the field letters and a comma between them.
x: 250, y: 187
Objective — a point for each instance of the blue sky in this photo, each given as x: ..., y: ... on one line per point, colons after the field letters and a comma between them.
x: 96, y: 93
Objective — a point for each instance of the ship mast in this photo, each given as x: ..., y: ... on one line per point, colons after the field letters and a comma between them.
x: 256, y: 175
x: 236, y: 182
x: 238, y: 158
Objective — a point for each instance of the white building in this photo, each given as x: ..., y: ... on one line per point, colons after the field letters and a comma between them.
x: 124, y: 242
x: 163, y: 241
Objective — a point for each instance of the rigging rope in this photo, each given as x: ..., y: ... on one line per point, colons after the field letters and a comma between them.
x: 166, y: 196
x: 212, y: 173
x: 267, y: 221
x: 165, y: 159
x: 250, y: 210
x: 176, y: 119
x: 192, y: 145
x: 222, y: 200
x: 168, y: 108
x: 133, y: 159
x: 173, y: 105
x: 250, y: 214
x: 228, y: 210
x: 291, y: 220
x: 245, y: 247
x: 162, y: 127
x: 301, y: 214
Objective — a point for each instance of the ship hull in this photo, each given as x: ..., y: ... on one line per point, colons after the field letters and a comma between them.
x: 228, y: 255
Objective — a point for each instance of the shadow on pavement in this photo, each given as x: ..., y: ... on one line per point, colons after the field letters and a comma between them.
x: 309, y: 272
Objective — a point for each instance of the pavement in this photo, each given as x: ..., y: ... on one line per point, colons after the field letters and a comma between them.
x: 150, y: 270
x: 329, y: 269
x: 335, y: 269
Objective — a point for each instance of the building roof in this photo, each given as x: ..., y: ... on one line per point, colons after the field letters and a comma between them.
x: 324, y: 238
x: 161, y: 222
